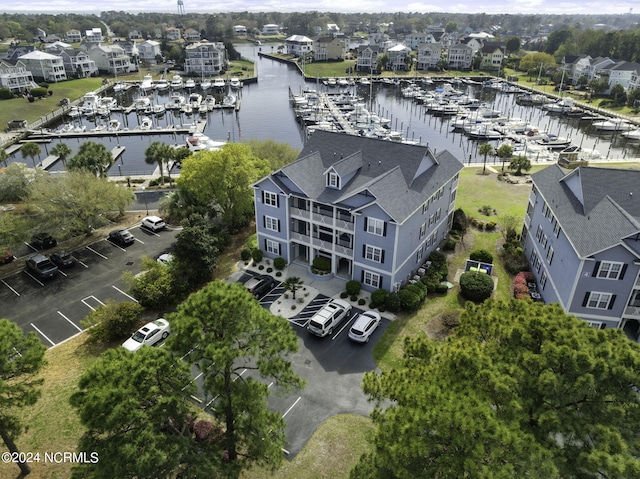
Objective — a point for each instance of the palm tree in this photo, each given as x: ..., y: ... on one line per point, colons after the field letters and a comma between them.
x: 31, y: 150
x: 93, y: 157
x: 292, y: 284
x: 158, y: 152
x: 62, y: 151
x: 504, y: 153
x: 3, y: 156
x: 520, y: 163
x: 485, y: 150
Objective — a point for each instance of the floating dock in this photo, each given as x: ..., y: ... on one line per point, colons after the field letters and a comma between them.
x: 49, y: 161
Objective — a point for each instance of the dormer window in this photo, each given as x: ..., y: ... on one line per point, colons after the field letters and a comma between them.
x: 333, y: 180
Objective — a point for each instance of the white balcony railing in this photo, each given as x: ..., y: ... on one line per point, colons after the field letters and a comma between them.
x: 632, y: 312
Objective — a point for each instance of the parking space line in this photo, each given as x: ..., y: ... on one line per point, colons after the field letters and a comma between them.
x: 88, y: 305
x: 292, y: 406
x: 63, y: 273
x: 239, y: 375
x: 43, y: 335
x: 82, y: 263
x: 343, y: 327
x: 128, y: 296
x: 94, y: 251
x: 34, y: 278
x: 71, y: 322
x: 14, y: 291
x: 139, y: 240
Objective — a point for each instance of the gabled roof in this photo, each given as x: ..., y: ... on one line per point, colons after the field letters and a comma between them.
x: 625, y: 66
x: 38, y: 55
x: 385, y: 169
x: 608, y: 210
x: 299, y: 38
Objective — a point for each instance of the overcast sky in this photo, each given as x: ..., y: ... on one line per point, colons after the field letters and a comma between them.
x: 208, y: 6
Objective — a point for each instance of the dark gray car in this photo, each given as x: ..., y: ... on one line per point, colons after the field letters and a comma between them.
x: 41, y: 266
x: 121, y: 237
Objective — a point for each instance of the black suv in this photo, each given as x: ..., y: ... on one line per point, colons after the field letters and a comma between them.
x: 121, y: 237
x: 259, y: 285
x: 41, y: 266
x: 43, y: 241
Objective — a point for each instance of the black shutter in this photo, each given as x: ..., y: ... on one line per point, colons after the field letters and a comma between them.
x: 382, y: 256
x: 278, y: 225
x: 586, y: 299
x: 277, y: 201
x: 279, y: 249
x: 623, y: 271
x: 366, y: 223
x: 362, y: 276
x: 264, y: 222
x: 613, y: 300
x: 384, y: 229
x: 380, y: 283
x: 265, y: 244
x: 595, y: 269
x: 364, y: 250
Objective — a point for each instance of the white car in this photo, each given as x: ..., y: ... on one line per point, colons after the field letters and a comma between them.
x: 164, y: 259
x: 153, y: 223
x: 364, y: 326
x: 323, y: 322
x: 148, y: 335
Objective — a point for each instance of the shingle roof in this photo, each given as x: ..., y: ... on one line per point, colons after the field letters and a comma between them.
x: 608, y: 212
x: 386, y: 169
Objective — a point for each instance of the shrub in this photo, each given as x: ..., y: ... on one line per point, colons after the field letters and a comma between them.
x: 481, y: 255
x: 449, y: 245
x: 113, y: 321
x: 269, y: 270
x: 441, y: 289
x: 257, y: 255
x: 486, y: 210
x: 353, y: 297
x: 38, y: 92
x: 392, y: 303
x: 344, y: 295
x: 278, y: 274
x: 409, y: 299
x: 322, y: 264
x: 460, y: 221
x: 245, y: 254
x: 6, y: 94
x: 378, y: 297
x: 252, y: 242
x: 520, y: 287
x: 451, y: 319
x: 361, y: 301
x: 353, y: 287
x: 261, y: 267
x: 279, y: 263
x: 490, y: 226
x: 476, y: 286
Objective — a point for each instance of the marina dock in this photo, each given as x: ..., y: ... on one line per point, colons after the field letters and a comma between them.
x: 49, y: 161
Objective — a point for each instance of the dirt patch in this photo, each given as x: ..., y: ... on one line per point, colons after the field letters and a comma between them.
x: 435, y: 329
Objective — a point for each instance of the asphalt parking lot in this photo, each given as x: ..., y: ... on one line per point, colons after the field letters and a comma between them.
x: 55, y: 308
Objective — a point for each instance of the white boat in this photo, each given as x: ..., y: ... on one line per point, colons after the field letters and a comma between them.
x: 483, y: 132
x: 612, y: 124
x: 200, y: 141
x: 113, y: 125
x: 342, y: 82
x: 107, y: 102
x: 158, y: 110
x: 80, y: 129
x: 186, y: 108
x: 559, y: 106
x: 234, y: 82
x: 74, y: 112
x: 175, y: 101
x: 120, y: 87
x: 147, y: 84
x: 90, y: 102
x: 194, y: 100
x: 210, y: 102
x: 229, y: 100
x: 632, y: 134
x: 162, y: 85
x: 364, y: 81
x: 99, y: 128
x: 190, y: 84
x: 218, y: 83
x: 146, y: 123
x: 205, y: 84
x: 176, y: 82
x: 142, y: 103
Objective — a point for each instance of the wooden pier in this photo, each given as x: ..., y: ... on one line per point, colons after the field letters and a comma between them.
x: 117, y: 152
x: 49, y: 161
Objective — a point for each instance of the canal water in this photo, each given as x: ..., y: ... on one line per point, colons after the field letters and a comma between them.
x: 265, y: 113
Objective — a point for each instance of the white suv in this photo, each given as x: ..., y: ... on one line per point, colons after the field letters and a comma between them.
x: 323, y: 322
x: 153, y: 223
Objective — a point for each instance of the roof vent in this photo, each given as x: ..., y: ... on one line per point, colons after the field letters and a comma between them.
x: 379, y: 162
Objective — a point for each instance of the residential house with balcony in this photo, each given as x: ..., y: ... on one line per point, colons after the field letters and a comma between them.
x: 149, y: 51
x: 134, y: 35
x: 414, y: 40
x: 399, y: 58
x: 191, y: 35
x: 130, y: 49
x: 111, y: 59
x: 57, y: 47
x: 374, y: 208
x: 173, y: 33
x: 328, y: 48
x: 15, y: 76
x: 270, y: 29
x: 574, y: 67
x: 78, y: 64
x: 581, y: 235
x: 73, y: 36
x: 598, y: 67
x: 93, y: 36
x: 298, y: 45
x: 634, y: 82
x: 205, y: 58
x: 16, y: 51
x: 45, y: 66
x: 240, y: 30
x: 621, y: 73
x: 429, y: 55
x: 367, y: 60
x: 460, y: 57
x: 492, y: 57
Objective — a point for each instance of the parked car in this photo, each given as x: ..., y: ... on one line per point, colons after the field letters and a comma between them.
x: 121, y: 237
x: 62, y: 259
x: 323, y: 322
x: 6, y: 256
x: 164, y: 259
x: 153, y: 223
x: 364, y: 326
x: 43, y: 241
x: 148, y: 335
x: 41, y: 266
x: 259, y: 285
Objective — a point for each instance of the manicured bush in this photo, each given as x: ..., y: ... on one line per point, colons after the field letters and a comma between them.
x: 279, y: 263
x: 392, y: 303
x: 257, y: 255
x: 460, y: 221
x: 449, y: 245
x: 486, y: 210
x: 476, y: 286
x: 361, y: 301
x: 321, y: 263
x: 113, y: 321
x: 490, y: 226
x: 38, y: 92
x: 520, y: 287
x: 5, y: 94
x: 409, y: 299
x: 441, y: 289
x: 353, y: 287
x: 481, y: 255
x: 450, y: 319
x: 269, y: 270
x: 353, y: 297
x: 245, y: 254
x: 378, y: 297
x: 278, y: 274
x: 344, y: 295
x: 261, y: 267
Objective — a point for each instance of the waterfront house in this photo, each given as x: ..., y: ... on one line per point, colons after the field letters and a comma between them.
x: 73, y: 36
x: 173, y: 33
x: 367, y: 60
x: 78, y: 64
x: 45, y: 66
x: 94, y: 35
x: 16, y: 51
x: 270, y: 29
x: 429, y: 55
x: 374, y: 208
x: 598, y: 67
x: 574, y: 67
x: 414, y: 40
x: 398, y: 57
x: 205, y: 58
x: 581, y: 235
x: 111, y: 59
x: 15, y: 76
x: 149, y: 51
x: 621, y: 73
x: 460, y: 56
x: 298, y: 45
x: 492, y: 57
x: 328, y: 48
x: 191, y: 35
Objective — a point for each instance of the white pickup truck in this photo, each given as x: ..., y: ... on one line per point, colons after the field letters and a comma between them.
x: 323, y: 322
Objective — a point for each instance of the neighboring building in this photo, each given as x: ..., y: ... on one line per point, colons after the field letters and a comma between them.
x: 73, y: 36
x: 598, y: 68
x: 476, y: 44
x: 191, y: 35
x: 634, y: 82
x: 374, y: 208
x: 78, y: 64
x: 328, y: 48
x: 111, y: 59
x: 581, y: 235
x: 333, y: 29
x: 414, y: 40
x: 367, y: 60
x: 205, y: 58
x: 270, y: 29
x: 135, y: 35
x: 398, y: 58
x: 460, y: 57
x: 16, y: 51
x: 130, y: 49
x: 240, y: 30
x: 148, y: 51
x: 621, y: 74
x: 56, y: 47
x: 298, y: 45
x: 93, y: 36
x: 45, y: 66
x: 429, y: 54
x: 15, y: 76
x: 173, y: 33
x: 492, y: 57
x: 575, y: 66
